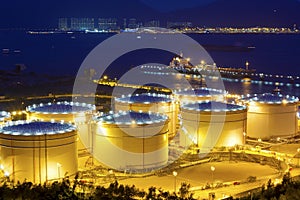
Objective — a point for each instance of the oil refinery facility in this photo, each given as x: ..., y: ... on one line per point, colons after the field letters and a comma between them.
x: 141, y: 132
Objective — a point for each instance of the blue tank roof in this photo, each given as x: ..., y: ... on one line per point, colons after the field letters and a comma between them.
x: 270, y: 98
x: 212, y: 106
x: 27, y: 128
x: 131, y: 117
x: 145, y: 98
x: 61, y: 108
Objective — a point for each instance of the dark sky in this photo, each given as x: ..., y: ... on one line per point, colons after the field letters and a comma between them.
x: 44, y: 14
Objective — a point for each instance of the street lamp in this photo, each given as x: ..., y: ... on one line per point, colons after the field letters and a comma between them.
x: 174, y: 174
x: 212, y: 168
x: 244, y: 134
x: 58, y: 165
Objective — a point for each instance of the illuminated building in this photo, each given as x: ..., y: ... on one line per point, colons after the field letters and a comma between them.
x: 209, y: 124
x: 152, y: 23
x: 199, y: 94
x: 73, y: 112
x: 63, y: 24
x: 132, y: 141
x: 146, y: 102
x: 38, y: 151
x: 271, y: 115
x: 82, y: 24
x: 4, y: 117
x: 107, y: 24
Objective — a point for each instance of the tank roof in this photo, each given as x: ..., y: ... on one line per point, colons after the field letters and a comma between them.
x: 213, y: 106
x: 145, y: 98
x: 61, y: 108
x: 270, y: 98
x: 132, y: 117
x: 27, y: 128
x: 200, y: 92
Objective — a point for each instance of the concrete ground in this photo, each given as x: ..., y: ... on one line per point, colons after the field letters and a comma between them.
x: 200, y: 175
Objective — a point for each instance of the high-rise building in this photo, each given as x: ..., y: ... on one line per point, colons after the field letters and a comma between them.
x: 132, y: 24
x: 81, y: 24
x: 124, y: 23
x: 152, y: 23
x: 63, y: 24
x: 107, y: 24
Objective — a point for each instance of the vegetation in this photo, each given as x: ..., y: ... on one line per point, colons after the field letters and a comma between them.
x: 76, y: 189
x: 286, y: 190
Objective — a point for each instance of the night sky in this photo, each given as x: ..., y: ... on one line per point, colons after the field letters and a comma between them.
x: 45, y: 14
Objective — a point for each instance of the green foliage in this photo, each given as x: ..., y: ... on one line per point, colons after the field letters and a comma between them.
x: 72, y: 190
x: 287, y: 190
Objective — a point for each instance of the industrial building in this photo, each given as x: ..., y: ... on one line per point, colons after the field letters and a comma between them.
x: 132, y: 141
x: 38, y: 151
x: 199, y: 94
x: 146, y: 102
x: 210, y: 124
x: 271, y: 115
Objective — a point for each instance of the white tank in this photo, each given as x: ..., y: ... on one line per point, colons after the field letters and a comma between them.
x: 152, y: 102
x: 271, y: 115
x: 132, y: 141
x: 210, y: 124
x: 38, y: 151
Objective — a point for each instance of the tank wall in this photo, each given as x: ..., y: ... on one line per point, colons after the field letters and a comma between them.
x: 212, y: 129
x: 39, y: 158
x: 265, y: 121
x: 139, y: 147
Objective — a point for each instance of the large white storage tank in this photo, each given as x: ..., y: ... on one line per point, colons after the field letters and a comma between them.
x: 38, y: 151
x: 210, y: 124
x: 199, y: 94
x: 271, y: 115
x: 74, y: 112
x: 150, y: 102
x: 132, y: 141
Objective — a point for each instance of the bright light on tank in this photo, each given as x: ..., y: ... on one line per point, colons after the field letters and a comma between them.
x: 1, y: 167
x: 6, y: 173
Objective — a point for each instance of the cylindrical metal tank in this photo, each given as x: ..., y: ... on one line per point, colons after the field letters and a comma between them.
x: 271, y: 115
x: 132, y: 141
x: 152, y: 102
x: 210, y: 124
x: 38, y: 151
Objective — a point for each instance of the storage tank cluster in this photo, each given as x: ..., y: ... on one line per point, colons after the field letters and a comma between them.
x: 209, y: 124
x: 38, y: 151
x: 271, y: 115
x: 132, y: 140
x: 150, y: 102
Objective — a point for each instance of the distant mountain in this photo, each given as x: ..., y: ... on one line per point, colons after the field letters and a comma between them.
x: 36, y: 13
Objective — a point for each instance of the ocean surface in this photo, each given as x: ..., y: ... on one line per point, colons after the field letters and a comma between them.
x: 62, y: 54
